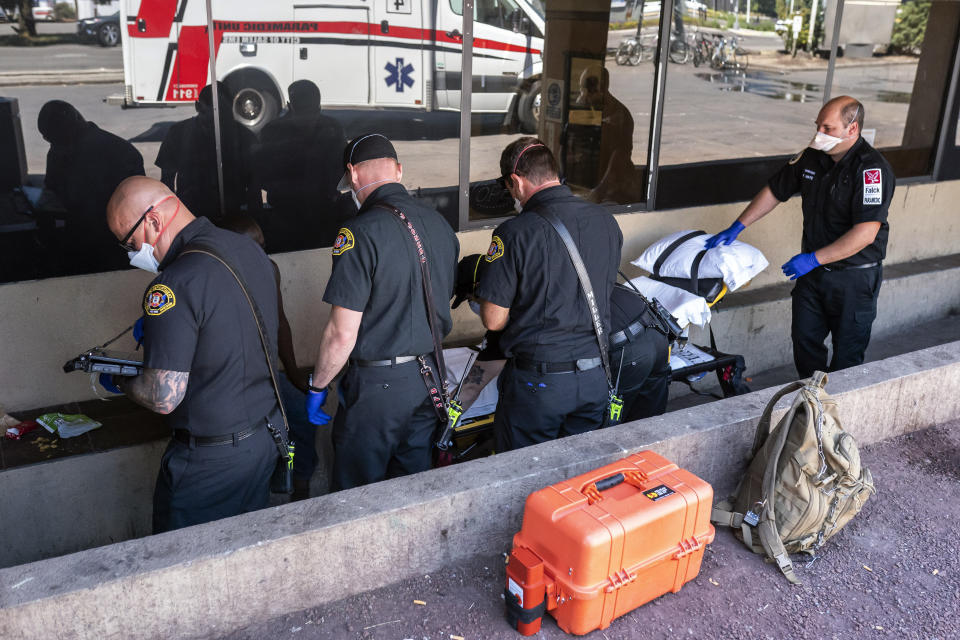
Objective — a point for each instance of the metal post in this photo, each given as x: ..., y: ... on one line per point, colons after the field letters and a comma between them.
x: 813, y: 23
x: 837, y: 18
x: 659, y: 87
x: 216, y: 105
x: 945, y: 123
x: 466, y: 94
x: 736, y: 14
x: 748, y: 14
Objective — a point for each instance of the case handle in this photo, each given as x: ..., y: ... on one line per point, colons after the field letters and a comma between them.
x: 592, y: 489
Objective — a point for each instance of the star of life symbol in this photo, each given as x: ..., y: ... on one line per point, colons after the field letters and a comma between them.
x: 399, y: 74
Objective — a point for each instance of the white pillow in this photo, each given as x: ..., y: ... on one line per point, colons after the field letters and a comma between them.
x: 736, y: 263
x: 685, y: 307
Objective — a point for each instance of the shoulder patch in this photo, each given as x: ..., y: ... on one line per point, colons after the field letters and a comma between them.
x: 159, y: 300
x: 795, y: 159
x: 872, y: 186
x: 344, y: 242
x: 495, y: 251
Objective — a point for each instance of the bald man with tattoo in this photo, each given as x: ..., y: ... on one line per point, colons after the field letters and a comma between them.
x: 204, y: 365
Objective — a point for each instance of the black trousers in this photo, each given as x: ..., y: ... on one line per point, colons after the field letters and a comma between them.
x: 644, y: 375
x: 385, y: 425
x: 842, y: 304
x: 201, y: 484
x: 535, y: 407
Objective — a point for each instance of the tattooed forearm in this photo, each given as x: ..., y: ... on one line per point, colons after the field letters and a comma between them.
x: 158, y: 389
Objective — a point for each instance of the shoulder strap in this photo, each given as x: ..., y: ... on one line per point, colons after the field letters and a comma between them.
x: 440, y: 404
x: 258, y: 319
x: 673, y: 246
x: 585, y: 285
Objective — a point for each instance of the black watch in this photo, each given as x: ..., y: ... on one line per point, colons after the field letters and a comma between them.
x: 311, y: 387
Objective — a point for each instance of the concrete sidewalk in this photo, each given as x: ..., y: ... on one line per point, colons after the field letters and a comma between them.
x: 56, y: 77
x: 893, y: 572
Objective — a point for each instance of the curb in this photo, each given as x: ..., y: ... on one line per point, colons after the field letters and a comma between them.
x: 74, y: 76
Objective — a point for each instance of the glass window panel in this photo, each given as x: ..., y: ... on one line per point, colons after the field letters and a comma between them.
x: 90, y: 143
x: 307, y: 78
x: 903, y: 90
x: 735, y: 95
x: 589, y: 105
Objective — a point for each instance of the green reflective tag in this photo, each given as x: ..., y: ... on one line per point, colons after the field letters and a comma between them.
x: 455, y: 410
x: 616, y: 406
x: 290, y: 451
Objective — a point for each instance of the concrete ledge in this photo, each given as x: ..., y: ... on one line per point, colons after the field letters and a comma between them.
x: 213, y: 578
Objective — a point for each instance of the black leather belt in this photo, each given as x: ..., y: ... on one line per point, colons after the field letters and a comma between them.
x: 390, y: 362
x: 184, y: 436
x: 632, y: 331
x: 583, y: 364
x: 845, y: 267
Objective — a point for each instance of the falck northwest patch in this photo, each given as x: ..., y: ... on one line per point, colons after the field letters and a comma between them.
x: 872, y: 186
x: 344, y: 242
x: 159, y: 300
x: 495, y: 251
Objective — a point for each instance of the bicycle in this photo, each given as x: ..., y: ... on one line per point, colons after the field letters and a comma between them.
x: 702, y: 50
x: 681, y: 49
x: 729, y: 55
x: 633, y: 50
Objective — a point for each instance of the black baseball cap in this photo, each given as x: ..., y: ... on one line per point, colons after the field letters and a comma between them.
x: 467, y: 275
x: 369, y: 146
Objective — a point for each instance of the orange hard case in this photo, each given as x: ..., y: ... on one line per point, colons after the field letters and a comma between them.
x: 617, y: 537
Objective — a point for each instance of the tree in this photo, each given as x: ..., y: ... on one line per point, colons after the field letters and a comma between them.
x: 910, y: 27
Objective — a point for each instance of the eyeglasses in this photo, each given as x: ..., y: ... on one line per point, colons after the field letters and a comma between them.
x: 125, y: 244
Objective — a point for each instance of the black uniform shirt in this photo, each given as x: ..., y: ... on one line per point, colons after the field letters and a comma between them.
x: 198, y: 320
x: 627, y: 307
x: 529, y: 271
x: 376, y: 270
x: 836, y: 196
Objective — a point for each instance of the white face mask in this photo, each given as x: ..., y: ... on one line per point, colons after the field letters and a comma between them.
x: 824, y: 142
x: 517, y: 205
x: 356, y: 201
x: 474, y: 306
x: 144, y: 259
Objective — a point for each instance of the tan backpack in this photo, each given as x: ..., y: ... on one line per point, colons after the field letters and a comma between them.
x: 805, y: 480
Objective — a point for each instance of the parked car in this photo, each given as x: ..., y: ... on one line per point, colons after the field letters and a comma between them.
x: 103, y: 29
x: 42, y: 11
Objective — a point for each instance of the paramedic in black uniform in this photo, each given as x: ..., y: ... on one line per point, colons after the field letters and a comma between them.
x: 385, y: 423
x: 204, y: 363
x: 553, y: 384
x: 845, y: 186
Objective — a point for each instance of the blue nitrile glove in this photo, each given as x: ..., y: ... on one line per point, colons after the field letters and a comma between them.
x: 106, y: 381
x: 800, y: 265
x: 726, y: 236
x: 315, y: 412
x: 138, y: 331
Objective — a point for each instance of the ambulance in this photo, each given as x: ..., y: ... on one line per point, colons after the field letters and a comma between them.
x: 361, y: 53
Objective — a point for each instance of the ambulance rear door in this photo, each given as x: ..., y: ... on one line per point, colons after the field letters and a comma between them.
x: 149, y: 40
x: 397, y: 38
x: 507, y: 45
x: 336, y: 56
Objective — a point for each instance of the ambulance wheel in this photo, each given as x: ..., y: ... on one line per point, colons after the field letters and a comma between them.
x: 254, y: 103
x: 528, y: 108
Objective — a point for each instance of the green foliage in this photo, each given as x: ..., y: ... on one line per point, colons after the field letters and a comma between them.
x: 64, y: 11
x: 910, y: 27
x: 805, y: 31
